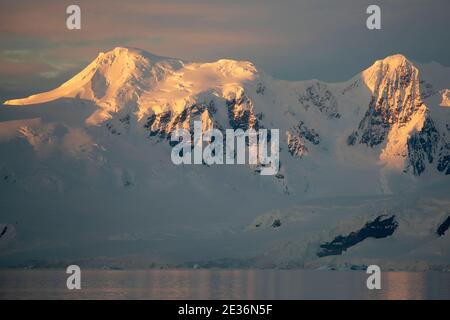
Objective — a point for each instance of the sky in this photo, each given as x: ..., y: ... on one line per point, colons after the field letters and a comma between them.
x: 293, y: 40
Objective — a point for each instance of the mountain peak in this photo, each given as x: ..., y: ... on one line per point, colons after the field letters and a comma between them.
x: 396, y: 60
x: 123, y: 52
x: 392, y: 67
x: 113, y: 78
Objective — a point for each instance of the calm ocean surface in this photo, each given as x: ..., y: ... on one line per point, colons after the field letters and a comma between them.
x: 222, y: 284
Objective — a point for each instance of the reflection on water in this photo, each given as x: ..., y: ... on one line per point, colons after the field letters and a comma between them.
x: 222, y: 284
x: 405, y: 285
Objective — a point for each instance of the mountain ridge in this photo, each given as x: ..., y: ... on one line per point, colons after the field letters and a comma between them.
x: 165, y: 93
x: 92, y: 160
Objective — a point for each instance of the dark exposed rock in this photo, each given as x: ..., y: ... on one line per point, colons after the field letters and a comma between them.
x: 379, y: 228
x: 276, y: 223
x: 443, y: 227
x: 163, y: 123
x: 279, y: 176
x: 150, y: 120
x: 112, y: 129
x: 260, y: 88
x: 320, y: 97
x: 416, y: 158
x: 165, y: 117
x: 422, y: 148
x: 357, y: 267
x: 426, y: 89
x: 182, y: 116
x: 375, y: 124
x: 241, y: 115
x: 428, y: 146
x: 351, y: 140
x: 386, y: 108
x: 444, y: 159
x: 296, y: 146
x: 4, y: 231
x: 309, y: 134
x: 297, y: 137
x: 158, y: 124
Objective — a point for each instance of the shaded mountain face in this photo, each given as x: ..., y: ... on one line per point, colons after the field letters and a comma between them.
x: 105, y: 135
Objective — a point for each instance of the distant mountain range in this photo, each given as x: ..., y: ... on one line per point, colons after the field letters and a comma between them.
x: 87, y: 165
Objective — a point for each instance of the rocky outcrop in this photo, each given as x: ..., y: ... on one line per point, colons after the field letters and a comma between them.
x: 422, y: 147
x: 163, y: 123
x: 443, y: 164
x: 297, y: 137
x: 395, y: 100
x: 381, y: 227
x: 443, y: 227
x: 319, y: 97
x: 399, y: 121
x: 428, y: 146
x: 241, y: 113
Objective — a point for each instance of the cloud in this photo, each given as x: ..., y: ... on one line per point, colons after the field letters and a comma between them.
x: 289, y: 39
x: 7, y: 68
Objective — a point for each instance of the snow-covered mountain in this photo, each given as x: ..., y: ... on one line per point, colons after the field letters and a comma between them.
x: 87, y: 165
